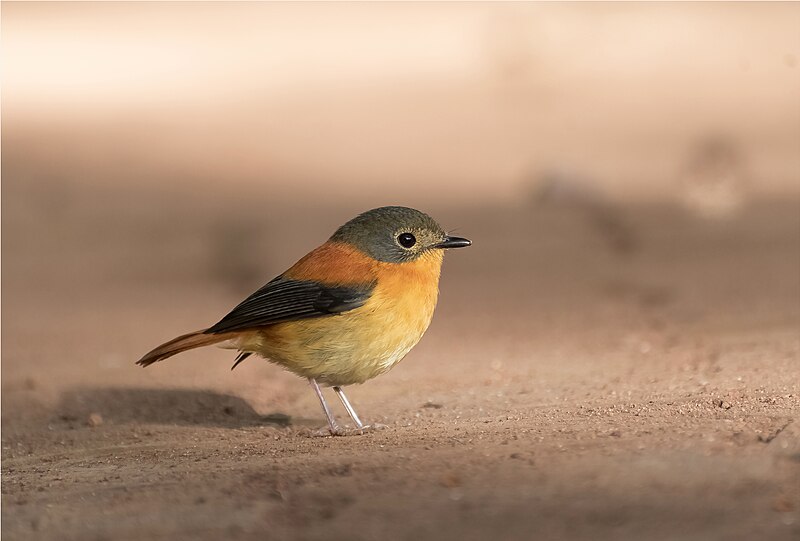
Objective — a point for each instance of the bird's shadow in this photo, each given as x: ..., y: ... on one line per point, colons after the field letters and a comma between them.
x: 163, y: 406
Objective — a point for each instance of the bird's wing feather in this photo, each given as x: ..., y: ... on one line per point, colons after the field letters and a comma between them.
x: 285, y: 299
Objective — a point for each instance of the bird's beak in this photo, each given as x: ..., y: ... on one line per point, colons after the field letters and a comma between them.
x: 453, y: 242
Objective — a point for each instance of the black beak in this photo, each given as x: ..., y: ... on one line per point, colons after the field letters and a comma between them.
x: 453, y: 242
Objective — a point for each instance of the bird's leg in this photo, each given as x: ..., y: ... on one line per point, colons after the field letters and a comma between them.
x: 333, y: 427
x: 350, y: 411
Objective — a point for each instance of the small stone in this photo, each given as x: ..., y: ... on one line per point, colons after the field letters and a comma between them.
x: 783, y: 504
x: 94, y: 420
x: 342, y: 470
x: 433, y: 405
x: 450, y: 480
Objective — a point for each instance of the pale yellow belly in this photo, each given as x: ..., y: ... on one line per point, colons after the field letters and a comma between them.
x: 351, y: 347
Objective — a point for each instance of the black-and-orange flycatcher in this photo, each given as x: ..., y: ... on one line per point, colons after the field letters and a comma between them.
x: 346, y: 312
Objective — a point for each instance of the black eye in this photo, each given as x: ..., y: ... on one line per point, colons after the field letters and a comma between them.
x: 406, y: 240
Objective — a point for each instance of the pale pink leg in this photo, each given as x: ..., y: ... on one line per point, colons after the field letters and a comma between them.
x: 332, y: 425
x: 350, y: 411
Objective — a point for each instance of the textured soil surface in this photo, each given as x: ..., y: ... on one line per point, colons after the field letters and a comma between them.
x: 591, y: 373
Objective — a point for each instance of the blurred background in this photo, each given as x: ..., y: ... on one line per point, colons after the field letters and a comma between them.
x: 629, y: 174
x: 462, y: 102
x: 146, y: 145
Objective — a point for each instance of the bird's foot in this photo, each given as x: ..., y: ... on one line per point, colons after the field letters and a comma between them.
x: 328, y: 431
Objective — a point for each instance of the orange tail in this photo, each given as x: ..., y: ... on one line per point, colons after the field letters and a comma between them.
x: 183, y: 343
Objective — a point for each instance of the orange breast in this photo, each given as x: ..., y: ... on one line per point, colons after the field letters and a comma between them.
x: 360, y: 344
x: 409, y: 291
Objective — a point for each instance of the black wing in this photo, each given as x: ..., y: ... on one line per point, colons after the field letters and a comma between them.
x: 284, y: 299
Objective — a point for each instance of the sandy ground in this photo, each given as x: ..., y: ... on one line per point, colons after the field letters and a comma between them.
x: 585, y: 377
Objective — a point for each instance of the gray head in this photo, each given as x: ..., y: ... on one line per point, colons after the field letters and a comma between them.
x: 396, y: 234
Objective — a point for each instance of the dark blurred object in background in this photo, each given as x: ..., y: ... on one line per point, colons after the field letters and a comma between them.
x: 578, y: 193
x: 714, y: 183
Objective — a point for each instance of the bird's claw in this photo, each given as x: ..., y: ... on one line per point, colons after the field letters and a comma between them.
x: 328, y: 431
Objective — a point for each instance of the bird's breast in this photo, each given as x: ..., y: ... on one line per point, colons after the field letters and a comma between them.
x: 365, y: 342
x: 401, y: 308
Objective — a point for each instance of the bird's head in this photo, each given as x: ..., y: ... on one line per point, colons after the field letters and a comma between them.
x: 396, y: 234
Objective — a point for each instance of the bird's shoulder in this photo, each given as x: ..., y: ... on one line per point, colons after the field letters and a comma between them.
x: 332, y: 279
x: 335, y: 263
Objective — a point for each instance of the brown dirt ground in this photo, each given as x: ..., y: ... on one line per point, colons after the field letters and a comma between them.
x: 581, y: 380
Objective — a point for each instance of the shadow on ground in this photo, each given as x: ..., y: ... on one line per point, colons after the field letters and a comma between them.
x: 163, y: 406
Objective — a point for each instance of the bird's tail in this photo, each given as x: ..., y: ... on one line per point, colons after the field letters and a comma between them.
x: 183, y: 343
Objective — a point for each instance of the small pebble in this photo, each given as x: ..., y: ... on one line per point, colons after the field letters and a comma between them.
x: 783, y: 504
x: 433, y: 405
x: 450, y: 480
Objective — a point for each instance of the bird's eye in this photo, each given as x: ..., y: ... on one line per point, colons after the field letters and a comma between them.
x: 406, y: 240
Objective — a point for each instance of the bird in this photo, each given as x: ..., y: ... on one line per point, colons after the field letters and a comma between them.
x: 346, y: 312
